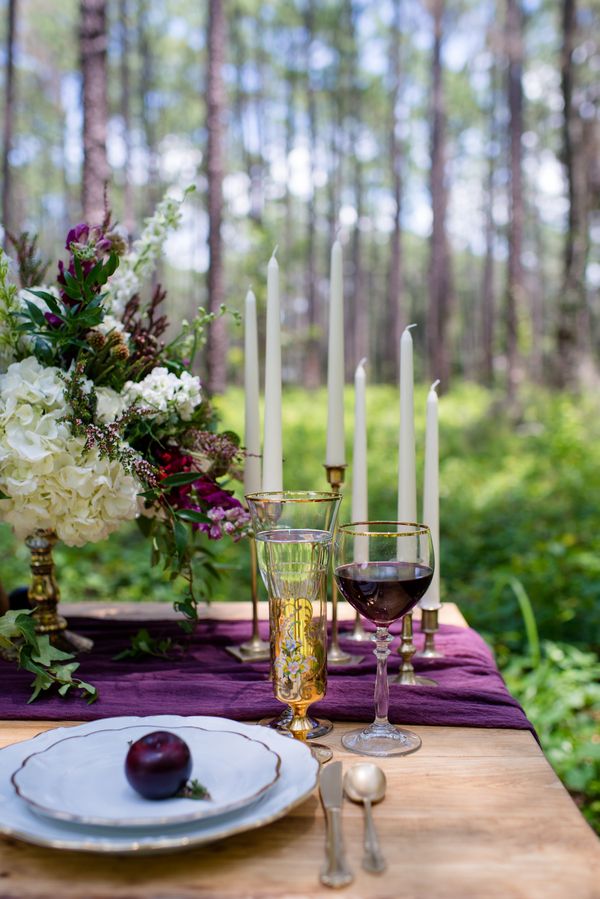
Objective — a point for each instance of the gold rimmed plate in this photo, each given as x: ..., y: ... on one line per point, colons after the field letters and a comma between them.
x: 297, y: 780
x: 80, y: 779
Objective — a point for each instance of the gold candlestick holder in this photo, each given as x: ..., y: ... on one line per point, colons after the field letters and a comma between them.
x: 430, y: 626
x: 255, y: 649
x: 359, y: 634
x: 335, y: 654
x: 407, y: 650
x: 44, y: 595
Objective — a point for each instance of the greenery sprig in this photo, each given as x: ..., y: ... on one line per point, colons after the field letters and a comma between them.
x: 35, y: 653
x: 143, y: 644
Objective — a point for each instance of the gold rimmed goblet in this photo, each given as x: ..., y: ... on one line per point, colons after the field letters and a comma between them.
x: 383, y: 568
x: 293, y: 532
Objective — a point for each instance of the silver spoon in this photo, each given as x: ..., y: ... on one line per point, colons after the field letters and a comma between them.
x: 366, y: 783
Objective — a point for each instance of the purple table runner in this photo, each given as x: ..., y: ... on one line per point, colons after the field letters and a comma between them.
x: 206, y: 680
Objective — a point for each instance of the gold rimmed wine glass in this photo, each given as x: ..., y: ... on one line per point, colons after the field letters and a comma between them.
x: 383, y: 568
x: 293, y: 532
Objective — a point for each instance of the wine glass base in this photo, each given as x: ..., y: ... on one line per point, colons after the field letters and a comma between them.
x: 381, y: 740
x: 319, y: 726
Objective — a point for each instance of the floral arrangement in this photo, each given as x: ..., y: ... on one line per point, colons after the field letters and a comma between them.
x: 101, y: 417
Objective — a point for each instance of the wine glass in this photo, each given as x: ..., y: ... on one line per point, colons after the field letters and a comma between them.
x: 293, y: 532
x: 383, y: 568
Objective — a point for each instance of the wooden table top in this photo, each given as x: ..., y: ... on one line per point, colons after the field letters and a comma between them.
x: 474, y: 814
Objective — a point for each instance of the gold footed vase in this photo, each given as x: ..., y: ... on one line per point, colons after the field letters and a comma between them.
x: 44, y: 595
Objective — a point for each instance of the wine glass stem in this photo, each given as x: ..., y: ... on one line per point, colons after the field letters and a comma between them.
x: 382, y: 639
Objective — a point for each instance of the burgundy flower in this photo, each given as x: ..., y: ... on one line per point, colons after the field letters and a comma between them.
x: 78, y: 234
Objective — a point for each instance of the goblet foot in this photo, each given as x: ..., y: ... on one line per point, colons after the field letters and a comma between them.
x: 318, y: 726
x: 381, y: 740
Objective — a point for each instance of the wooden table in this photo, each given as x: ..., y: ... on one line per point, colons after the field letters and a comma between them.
x: 475, y: 814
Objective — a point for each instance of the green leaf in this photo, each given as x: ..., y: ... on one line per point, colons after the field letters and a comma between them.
x: 182, y: 537
x: 36, y: 314
x: 191, y: 515
x: 47, y: 653
x: 180, y: 479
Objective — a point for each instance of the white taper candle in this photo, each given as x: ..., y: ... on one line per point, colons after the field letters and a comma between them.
x: 407, y: 486
x: 252, y: 478
x: 360, y: 501
x: 431, y: 495
x: 272, y: 475
x: 336, y: 449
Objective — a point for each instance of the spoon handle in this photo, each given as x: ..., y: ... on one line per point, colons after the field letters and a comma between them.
x: 373, y: 859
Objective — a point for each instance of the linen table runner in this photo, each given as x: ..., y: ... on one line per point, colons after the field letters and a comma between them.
x: 201, y: 678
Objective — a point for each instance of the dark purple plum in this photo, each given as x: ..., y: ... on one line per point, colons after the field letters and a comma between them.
x: 158, y: 765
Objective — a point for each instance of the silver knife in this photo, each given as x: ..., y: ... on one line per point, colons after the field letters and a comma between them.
x: 335, y: 872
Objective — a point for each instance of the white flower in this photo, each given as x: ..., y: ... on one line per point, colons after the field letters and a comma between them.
x: 164, y: 393
x: 110, y: 404
x: 51, y: 480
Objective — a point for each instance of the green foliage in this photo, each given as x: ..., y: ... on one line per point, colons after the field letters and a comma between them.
x: 561, y: 696
x: 143, y: 644
x: 35, y: 653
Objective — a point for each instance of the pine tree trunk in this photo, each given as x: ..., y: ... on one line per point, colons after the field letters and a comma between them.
x: 8, y: 220
x: 439, y: 270
x: 488, y: 293
x: 215, y: 93
x: 311, y: 369
x: 573, y: 295
x: 125, y: 87
x: 395, y: 319
x: 515, y: 288
x: 93, y: 51
x: 147, y: 83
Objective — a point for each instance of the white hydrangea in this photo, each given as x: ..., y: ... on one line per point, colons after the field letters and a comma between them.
x: 49, y: 477
x: 165, y: 393
x: 110, y: 405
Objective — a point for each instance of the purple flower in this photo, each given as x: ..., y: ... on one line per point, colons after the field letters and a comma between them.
x: 78, y: 234
x: 53, y: 320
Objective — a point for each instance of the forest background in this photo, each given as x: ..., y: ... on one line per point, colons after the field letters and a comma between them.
x: 454, y: 149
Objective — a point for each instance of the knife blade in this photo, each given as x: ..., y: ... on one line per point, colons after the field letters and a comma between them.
x: 335, y: 871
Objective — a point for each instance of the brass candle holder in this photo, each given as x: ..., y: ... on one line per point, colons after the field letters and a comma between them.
x: 430, y: 626
x: 335, y: 654
x: 255, y: 649
x: 359, y: 634
x: 44, y: 595
x: 407, y: 650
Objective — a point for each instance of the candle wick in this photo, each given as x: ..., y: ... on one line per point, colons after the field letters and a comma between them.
x: 274, y: 251
x: 408, y: 327
x: 363, y: 362
x: 435, y: 384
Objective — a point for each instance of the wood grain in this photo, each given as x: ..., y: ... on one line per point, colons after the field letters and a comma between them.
x: 475, y: 814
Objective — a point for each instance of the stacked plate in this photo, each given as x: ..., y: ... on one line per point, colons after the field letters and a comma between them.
x: 66, y: 788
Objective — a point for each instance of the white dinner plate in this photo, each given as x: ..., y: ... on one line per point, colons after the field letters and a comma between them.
x: 81, y: 778
x: 297, y: 779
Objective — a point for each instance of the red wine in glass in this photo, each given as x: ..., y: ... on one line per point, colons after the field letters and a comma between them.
x: 383, y: 591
